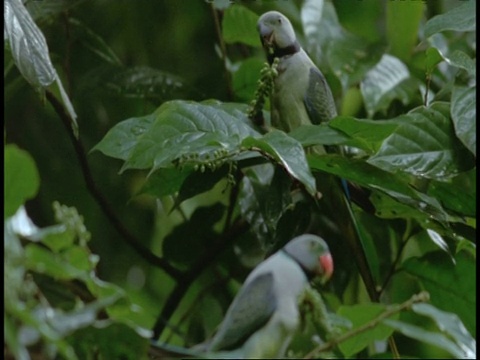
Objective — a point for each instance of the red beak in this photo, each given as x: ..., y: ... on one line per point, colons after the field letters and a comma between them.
x: 326, y: 262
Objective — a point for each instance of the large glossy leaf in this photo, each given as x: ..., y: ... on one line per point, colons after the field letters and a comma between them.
x: 460, y: 18
x: 358, y: 316
x: 240, y: 25
x: 186, y: 128
x: 429, y: 337
x: 122, y: 138
x: 464, y: 115
x: 321, y: 134
x: 367, y: 134
x: 424, y: 145
x: 287, y: 151
x: 451, y: 286
x: 395, y: 187
x: 387, y: 81
x: 349, y: 56
x: 21, y: 179
x: 450, y: 324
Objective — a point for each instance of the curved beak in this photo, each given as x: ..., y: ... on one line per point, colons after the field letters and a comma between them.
x: 266, y: 35
x: 326, y: 263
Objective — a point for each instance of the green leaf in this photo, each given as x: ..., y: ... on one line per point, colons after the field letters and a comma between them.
x: 322, y: 134
x: 122, y: 138
x: 451, y: 286
x: 368, y: 134
x: 28, y: 45
x: 185, y: 128
x: 403, y: 21
x: 451, y: 325
x: 387, y: 81
x: 464, y: 115
x: 428, y: 337
x: 21, y: 179
x: 240, y: 25
x: 360, y: 315
x: 287, y: 151
x: 424, y: 145
x: 460, y: 18
x: 461, y: 60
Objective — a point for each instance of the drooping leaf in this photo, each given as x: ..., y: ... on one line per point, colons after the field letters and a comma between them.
x: 424, y: 145
x: 164, y: 182
x: 288, y: 152
x: 464, y: 115
x: 28, y: 45
x: 460, y: 18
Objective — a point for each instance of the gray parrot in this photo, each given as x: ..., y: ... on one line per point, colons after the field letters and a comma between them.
x: 264, y: 315
x: 301, y: 94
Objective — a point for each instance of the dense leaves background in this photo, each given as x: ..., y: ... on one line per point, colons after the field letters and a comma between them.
x: 185, y: 194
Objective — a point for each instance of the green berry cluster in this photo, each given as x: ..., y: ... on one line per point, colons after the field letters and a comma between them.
x: 264, y: 88
x: 70, y: 217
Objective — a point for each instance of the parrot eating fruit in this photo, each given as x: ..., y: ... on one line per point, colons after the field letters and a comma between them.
x: 301, y: 94
x: 264, y: 315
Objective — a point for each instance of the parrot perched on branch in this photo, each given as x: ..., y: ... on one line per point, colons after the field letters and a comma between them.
x: 301, y: 96
x: 264, y: 315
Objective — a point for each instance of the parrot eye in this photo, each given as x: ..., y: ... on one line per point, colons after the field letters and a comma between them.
x: 279, y: 20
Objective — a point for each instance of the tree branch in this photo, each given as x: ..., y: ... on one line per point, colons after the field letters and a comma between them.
x: 101, y: 200
x: 420, y: 297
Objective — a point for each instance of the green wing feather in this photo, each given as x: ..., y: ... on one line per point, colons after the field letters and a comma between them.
x: 318, y: 99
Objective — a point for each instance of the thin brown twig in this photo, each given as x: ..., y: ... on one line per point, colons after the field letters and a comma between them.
x: 420, y: 297
x: 144, y: 252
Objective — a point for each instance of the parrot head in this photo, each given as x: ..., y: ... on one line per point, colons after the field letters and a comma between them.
x: 312, y: 254
x: 276, y: 33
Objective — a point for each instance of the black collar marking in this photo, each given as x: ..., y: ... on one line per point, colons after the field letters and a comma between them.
x: 289, y: 50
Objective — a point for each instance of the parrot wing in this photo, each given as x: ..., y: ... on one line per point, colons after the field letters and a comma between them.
x: 251, y: 309
x: 318, y: 99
